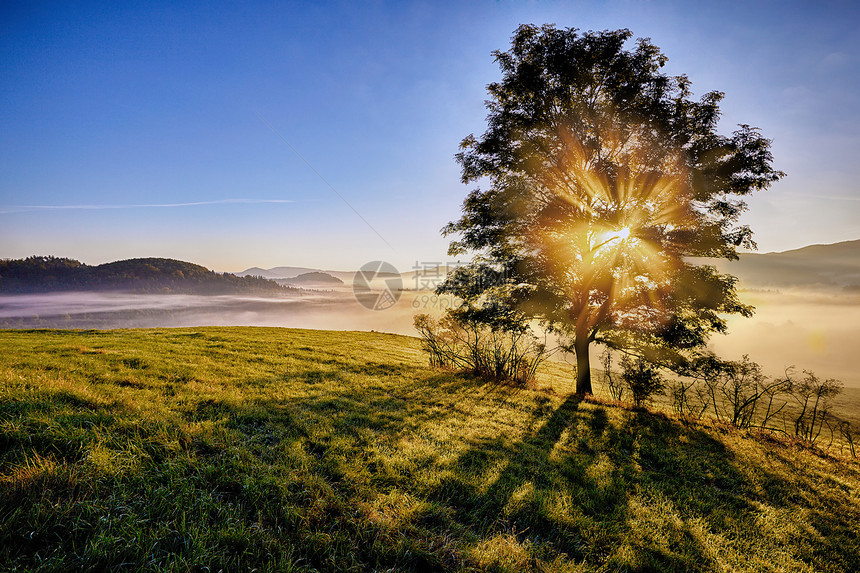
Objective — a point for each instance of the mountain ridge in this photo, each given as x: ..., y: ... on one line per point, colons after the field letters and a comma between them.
x: 834, y: 266
x: 853, y: 246
x: 42, y: 274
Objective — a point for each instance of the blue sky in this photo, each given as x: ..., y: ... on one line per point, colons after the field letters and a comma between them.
x: 322, y: 134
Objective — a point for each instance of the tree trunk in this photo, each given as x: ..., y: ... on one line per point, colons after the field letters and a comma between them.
x: 583, y: 365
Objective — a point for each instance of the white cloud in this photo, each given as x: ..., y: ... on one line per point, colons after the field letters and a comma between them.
x: 834, y: 60
x: 7, y: 209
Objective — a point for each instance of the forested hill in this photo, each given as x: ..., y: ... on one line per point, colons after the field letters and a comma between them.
x: 150, y: 275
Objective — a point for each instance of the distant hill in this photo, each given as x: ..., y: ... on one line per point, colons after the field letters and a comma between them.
x: 314, y: 278
x: 149, y: 275
x: 276, y: 272
x: 282, y: 273
x: 834, y: 266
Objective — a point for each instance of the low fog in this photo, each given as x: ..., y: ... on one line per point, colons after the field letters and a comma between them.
x: 809, y: 329
x: 334, y: 309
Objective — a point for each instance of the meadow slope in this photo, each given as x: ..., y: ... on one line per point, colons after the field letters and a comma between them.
x: 207, y: 449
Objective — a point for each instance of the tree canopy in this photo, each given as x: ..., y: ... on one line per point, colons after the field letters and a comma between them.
x: 603, y: 175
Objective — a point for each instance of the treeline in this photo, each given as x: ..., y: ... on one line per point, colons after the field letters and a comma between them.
x: 150, y: 275
x: 736, y: 393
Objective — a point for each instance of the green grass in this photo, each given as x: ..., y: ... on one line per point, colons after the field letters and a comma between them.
x: 235, y: 449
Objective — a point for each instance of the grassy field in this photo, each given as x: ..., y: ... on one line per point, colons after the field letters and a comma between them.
x: 233, y: 449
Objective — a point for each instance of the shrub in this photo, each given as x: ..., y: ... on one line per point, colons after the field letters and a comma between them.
x: 491, y: 353
x: 643, y: 378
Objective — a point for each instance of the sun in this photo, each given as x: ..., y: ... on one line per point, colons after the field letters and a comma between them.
x: 620, y: 235
x: 611, y: 239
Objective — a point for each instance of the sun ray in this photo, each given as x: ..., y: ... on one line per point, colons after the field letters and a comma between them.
x: 620, y: 245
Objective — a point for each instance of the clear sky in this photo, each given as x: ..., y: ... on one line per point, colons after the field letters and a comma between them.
x: 322, y: 134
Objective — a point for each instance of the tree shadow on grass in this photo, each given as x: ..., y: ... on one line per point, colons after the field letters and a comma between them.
x: 533, y: 488
x: 641, y: 492
x: 579, y: 486
x: 599, y: 492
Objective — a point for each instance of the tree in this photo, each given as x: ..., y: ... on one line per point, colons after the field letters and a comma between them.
x: 603, y: 177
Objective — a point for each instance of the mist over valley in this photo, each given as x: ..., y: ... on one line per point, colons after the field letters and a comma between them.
x: 807, y: 306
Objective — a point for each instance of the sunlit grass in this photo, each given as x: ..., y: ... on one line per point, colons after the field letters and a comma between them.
x: 289, y: 450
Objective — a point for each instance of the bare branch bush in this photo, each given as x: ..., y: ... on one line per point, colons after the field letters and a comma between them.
x: 737, y: 392
x: 847, y: 435
x: 813, y: 398
x: 471, y: 346
x: 687, y: 402
x: 613, y: 383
